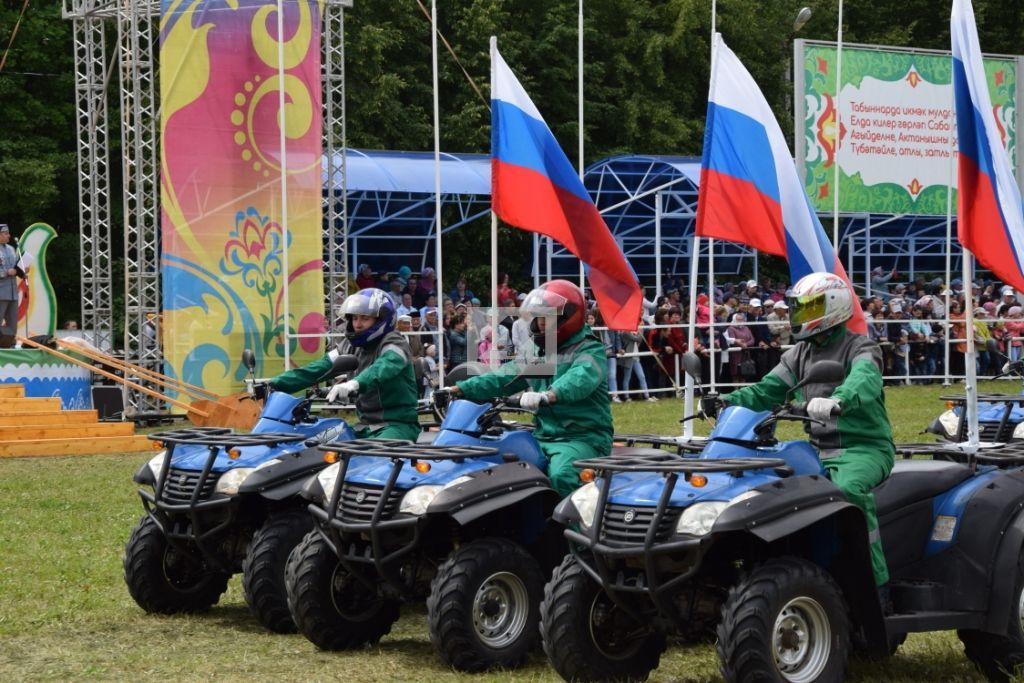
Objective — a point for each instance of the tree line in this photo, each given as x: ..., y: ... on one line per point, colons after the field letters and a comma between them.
x: 645, y: 80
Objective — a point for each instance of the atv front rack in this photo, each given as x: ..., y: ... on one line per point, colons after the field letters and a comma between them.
x: 694, y: 445
x: 1000, y: 431
x: 201, y: 500
x: 381, y: 523
x: 222, y: 437
x: 596, y: 554
x: 1000, y: 455
x: 656, y: 460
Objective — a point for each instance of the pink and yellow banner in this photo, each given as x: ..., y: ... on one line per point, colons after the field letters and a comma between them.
x: 228, y: 247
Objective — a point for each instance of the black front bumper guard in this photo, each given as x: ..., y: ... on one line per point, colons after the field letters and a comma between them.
x: 161, y: 511
x: 595, y: 556
x: 378, y: 529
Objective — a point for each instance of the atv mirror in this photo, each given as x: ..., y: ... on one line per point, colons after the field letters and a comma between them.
x: 249, y: 360
x: 692, y: 365
x: 344, y: 364
x: 822, y: 372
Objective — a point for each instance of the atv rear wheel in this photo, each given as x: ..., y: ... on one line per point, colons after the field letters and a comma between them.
x: 484, y: 605
x: 785, y: 621
x: 263, y: 568
x: 1000, y: 658
x: 587, y: 637
x: 164, y: 580
x: 330, y: 606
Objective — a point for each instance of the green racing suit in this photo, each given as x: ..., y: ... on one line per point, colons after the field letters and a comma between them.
x: 578, y: 424
x: 856, y: 447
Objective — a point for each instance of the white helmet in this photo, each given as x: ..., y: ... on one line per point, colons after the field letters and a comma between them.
x: 818, y: 302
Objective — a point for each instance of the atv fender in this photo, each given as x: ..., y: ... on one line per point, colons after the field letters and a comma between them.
x: 493, y: 489
x: 285, y: 478
x: 1001, y: 598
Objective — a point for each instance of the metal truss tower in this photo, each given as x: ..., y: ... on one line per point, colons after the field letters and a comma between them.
x: 335, y: 212
x: 136, y: 23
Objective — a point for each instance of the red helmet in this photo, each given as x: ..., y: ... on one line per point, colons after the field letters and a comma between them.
x: 559, y: 297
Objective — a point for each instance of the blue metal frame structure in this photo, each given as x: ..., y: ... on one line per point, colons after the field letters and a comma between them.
x: 391, y: 217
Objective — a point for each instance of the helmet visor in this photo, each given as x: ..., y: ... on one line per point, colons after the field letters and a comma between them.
x: 806, y: 308
x: 541, y: 302
x: 362, y: 303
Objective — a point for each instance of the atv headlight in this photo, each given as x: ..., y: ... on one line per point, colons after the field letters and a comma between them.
x: 419, y: 499
x: 585, y: 500
x: 328, y: 478
x: 949, y: 421
x: 230, y: 481
x: 1018, y: 431
x: 155, y: 463
x: 698, y: 519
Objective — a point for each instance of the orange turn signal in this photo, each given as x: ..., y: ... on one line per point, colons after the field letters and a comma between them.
x: 588, y: 475
x: 422, y: 467
x: 698, y: 480
x: 234, y: 454
x: 330, y: 457
x: 950, y: 405
x: 157, y: 445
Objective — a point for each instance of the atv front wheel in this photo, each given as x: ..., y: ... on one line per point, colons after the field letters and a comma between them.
x: 483, y: 607
x: 587, y: 637
x: 785, y: 621
x: 164, y: 580
x: 263, y: 568
x: 1000, y: 658
x: 330, y: 606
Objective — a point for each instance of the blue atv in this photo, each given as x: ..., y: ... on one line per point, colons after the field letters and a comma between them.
x: 1000, y: 416
x: 219, y: 502
x: 462, y: 523
x: 750, y: 539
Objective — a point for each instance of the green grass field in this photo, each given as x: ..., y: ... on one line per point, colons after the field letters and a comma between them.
x: 65, y: 612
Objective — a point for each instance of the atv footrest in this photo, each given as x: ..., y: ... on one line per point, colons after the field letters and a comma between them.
x: 921, y: 622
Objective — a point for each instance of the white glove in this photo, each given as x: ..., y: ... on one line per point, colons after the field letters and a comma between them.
x: 531, y: 400
x: 340, y: 392
x: 821, y: 408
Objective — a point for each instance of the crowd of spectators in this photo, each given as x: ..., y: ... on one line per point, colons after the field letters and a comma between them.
x: 746, y: 323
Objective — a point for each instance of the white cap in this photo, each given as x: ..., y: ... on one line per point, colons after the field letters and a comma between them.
x: 781, y: 304
x: 751, y: 283
x: 895, y: 307
x: 1008, y: 291
x: 755, y: 303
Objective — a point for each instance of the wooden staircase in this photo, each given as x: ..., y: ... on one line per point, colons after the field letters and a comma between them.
x: 37, y: 426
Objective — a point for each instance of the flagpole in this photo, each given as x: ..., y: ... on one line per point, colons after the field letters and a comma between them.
x: 282, y: 123
x: 835, y: 165
x: 970, y: 365
x: 493, y: 351
x: 711, y: 241
x: 949, y: 246
x: 438, y: 252
x: 579, y: 98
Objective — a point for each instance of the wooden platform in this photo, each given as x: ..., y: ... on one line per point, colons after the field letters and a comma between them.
x: 31, y: 427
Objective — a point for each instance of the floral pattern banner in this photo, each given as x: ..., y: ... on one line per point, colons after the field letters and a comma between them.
x: 897, y: 130
x: 227, y: 246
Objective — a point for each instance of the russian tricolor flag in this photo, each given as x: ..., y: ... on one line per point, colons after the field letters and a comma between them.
x: 750, y: 191
x: 534, y: 187
x: 990, y: 219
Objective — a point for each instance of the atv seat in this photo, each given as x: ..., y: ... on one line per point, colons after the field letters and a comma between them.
x: 914, y: 480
